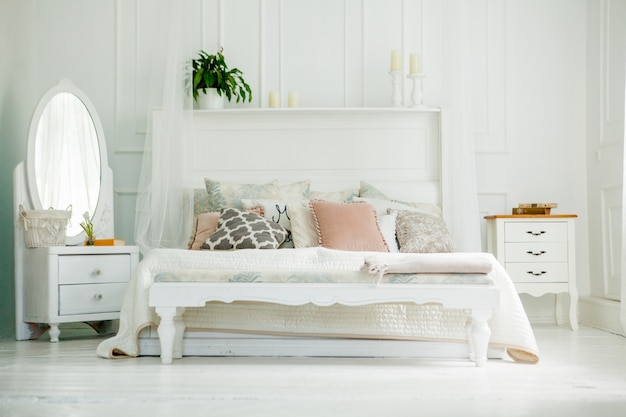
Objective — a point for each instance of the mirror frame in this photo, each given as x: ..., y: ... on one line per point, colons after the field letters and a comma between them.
x: 102, y: 215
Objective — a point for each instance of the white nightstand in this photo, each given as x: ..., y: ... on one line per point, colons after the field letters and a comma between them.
x: 66, y: 284
x: 538, y: 252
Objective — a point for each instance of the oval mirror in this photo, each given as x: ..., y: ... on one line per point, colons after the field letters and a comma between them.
x: 66, y: 156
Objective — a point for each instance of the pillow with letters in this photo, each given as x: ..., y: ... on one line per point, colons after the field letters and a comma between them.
x: 274, y: 210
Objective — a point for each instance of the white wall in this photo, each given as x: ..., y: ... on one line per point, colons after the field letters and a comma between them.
x: 16, y: 105
x: 529, y: 79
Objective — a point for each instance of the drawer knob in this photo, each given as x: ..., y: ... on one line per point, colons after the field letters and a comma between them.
x: 536, y: 253
x: 95, y: 272
x: 97, y: 296
x: 537, y: 274
x: 539, y: 233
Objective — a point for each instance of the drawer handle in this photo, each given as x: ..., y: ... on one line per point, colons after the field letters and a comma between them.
x: 97, y: 296
x: 95, y: 272
x: 536, y: 253
x: 539, y: 233
x: 537, y: 274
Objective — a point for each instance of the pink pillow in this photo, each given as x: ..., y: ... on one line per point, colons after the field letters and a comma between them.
x: 348, y: 226
x: 207, y: 225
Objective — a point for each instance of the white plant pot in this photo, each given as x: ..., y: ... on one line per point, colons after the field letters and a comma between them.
x: 211, y: 100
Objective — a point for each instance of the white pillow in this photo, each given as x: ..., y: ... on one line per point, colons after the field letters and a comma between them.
x: 387, y: 225
x: 303, y: 228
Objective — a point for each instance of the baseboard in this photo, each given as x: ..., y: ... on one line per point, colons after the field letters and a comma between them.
x: 601, y: 313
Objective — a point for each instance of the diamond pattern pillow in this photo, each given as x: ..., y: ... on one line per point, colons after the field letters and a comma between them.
x: 237, y: 229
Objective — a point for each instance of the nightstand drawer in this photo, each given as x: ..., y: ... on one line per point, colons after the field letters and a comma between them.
x: 94, y: 269
x: 535, y: 252
x: 535, y: 232
x: 538, y: 272
x: 91, y: 298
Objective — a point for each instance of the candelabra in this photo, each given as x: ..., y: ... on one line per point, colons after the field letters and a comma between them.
x: 396, y: 81
x: 417, y: 95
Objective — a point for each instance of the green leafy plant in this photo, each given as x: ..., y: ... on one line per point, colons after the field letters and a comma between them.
x: 211, y: 71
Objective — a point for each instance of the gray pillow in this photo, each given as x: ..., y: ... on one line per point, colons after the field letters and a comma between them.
x: 238, y: 229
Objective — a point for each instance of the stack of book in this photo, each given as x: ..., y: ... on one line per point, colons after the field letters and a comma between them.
x: 534, y: 208
x: 110, y: 242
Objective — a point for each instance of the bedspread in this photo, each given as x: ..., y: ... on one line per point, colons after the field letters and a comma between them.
x: 509, y: 325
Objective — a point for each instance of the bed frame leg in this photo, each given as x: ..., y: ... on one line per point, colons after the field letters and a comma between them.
x: 171, y: 329
x: 478, y: 334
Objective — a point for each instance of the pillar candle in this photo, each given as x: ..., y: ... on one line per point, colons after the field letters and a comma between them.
x: 415, y: 64
x: 274, y: 99
x: 396, y: 60
x: 292, y: 99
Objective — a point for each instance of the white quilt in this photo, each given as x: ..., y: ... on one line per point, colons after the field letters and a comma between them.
x: 510, y: 327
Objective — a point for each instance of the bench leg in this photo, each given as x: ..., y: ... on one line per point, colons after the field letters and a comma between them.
x: 171, y: 330
x: 478, y: 334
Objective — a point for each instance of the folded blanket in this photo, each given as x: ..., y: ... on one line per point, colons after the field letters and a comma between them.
x: 429, y: 263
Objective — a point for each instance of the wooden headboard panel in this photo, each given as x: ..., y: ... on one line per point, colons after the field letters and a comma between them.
x: 396, y: 150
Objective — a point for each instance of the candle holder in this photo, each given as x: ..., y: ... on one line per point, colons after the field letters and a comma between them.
x: 417, y: 95
x: 396, y: 80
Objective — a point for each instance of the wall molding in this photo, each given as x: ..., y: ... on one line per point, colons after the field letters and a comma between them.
x: 611, y: 218
x: 601, y: 313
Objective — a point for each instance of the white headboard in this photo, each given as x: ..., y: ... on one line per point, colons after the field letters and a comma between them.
x: 396, y: 150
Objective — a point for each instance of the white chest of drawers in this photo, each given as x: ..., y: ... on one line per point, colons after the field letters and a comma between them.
x: 65, y: 284
x: 538, y: 252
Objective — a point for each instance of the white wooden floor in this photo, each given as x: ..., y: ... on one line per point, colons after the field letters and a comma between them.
x: 580, y: 374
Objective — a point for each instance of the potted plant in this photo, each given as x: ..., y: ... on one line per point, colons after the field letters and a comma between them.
x: 212, y: 80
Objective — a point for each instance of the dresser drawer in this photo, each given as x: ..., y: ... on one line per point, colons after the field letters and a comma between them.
x: 538, y: 272
x: 91, y: 298
x: 94, y: 269
x: 535, y: 252
x: 535, y: 232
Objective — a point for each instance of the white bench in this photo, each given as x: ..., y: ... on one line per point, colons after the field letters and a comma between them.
x: 171, y: 298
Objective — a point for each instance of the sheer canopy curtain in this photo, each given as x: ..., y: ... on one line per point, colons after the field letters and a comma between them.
x: 459, y: 170
x: 164, y: 212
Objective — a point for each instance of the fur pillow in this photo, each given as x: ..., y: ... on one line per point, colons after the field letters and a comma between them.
x: 238, y: 229
x: 348, y: 226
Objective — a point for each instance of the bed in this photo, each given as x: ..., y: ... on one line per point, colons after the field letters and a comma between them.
x: 307, y: 166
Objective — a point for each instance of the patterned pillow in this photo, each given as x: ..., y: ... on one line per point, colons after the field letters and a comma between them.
x: 239, y: 229
x: 229, y: 194
x: 374, y: 196
x: 344, y: 195
x: 274, y: 210
x: 295, y: 190
x: 421, y: 232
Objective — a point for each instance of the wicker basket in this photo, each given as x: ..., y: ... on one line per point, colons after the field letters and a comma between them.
x: 44, y: 227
